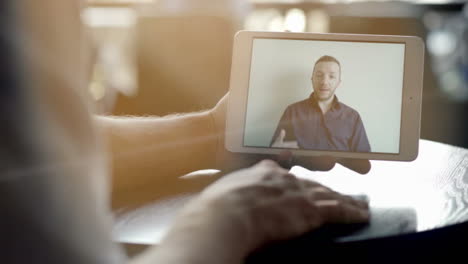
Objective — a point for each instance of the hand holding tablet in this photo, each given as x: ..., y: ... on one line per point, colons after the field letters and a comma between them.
x: 279, y: 142
x: 336, y: 95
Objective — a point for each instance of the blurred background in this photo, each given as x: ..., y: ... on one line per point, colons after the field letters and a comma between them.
x: 156, y: 57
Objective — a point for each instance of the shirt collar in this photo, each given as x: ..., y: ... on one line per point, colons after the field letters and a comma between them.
x: 335, y: 104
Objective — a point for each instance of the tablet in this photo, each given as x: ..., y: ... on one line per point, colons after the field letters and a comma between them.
x: 341, y: 95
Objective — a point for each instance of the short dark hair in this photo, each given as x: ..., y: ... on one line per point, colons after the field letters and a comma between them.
x: 327, y: 58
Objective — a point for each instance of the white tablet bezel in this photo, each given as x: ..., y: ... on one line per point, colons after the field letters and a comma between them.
x: 411, y: 99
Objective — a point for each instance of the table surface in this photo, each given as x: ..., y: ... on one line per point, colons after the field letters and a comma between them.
x: 424, y: 194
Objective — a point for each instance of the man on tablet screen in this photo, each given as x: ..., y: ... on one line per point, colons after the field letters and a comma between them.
x: 322, y: 122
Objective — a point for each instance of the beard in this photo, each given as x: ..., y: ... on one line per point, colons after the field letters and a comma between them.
x: 324, y: 93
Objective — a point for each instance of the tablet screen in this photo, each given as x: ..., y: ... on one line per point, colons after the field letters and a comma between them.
x: 325, y: 95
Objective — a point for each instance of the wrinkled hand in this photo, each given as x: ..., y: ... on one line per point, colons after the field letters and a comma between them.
x: 228, y: 161
x: 264, y: 203
x: 280, y: 143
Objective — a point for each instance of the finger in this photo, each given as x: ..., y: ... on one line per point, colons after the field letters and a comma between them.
x: 284, y: 159
x: 358, y: 165
x: 272, y: 170
x: 279, y: 140
x: 333, y: 211
x: 359, y: 203
x: 282, y: 135
x: 268, y: 163
x: 281, y: 178
x: 322, y: 193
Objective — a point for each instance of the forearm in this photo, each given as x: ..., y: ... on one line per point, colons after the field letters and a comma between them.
x: 148, y: 153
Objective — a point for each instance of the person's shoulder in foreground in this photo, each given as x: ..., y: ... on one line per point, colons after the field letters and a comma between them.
x: 54, y: 179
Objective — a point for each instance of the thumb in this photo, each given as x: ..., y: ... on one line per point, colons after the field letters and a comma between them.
x: 282, y: 135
